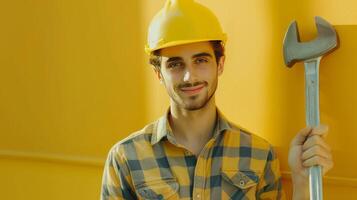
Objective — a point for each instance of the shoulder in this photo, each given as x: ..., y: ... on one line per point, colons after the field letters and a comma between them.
x: 248, y: 138
x: 140, y: 137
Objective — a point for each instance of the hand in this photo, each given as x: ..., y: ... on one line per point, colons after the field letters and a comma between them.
x: 307, y: 149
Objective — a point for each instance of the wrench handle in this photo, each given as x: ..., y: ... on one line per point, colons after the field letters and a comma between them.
x: 313, y: 119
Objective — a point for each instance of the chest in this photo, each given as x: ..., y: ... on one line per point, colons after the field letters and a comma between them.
x: 223, y: 170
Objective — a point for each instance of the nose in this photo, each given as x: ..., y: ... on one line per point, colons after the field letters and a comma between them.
x: 189, y: 74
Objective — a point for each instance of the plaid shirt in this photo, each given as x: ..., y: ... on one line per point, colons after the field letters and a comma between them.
x: 234, y: 164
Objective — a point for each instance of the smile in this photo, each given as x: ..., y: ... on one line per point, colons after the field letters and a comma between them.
x: 192, y: 90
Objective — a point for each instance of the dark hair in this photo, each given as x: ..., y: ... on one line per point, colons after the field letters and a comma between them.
x: 217, y: 45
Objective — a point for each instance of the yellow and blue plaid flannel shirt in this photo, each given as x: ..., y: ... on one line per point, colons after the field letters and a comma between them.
x: 234, y: 164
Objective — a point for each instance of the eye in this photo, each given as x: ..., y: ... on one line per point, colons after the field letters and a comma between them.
x: 174, y: 64
x: 201, y: 60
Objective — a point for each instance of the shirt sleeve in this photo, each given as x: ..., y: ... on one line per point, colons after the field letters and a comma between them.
x: 270, y: 185
x: 116, y: 181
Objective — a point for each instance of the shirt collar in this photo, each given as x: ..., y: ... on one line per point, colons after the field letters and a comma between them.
x: 162, y: 127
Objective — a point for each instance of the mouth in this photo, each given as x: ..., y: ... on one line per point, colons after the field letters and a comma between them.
x: 192, y: 90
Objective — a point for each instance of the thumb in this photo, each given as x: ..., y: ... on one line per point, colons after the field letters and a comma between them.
x: 321, y: 130
x: 300, y: 138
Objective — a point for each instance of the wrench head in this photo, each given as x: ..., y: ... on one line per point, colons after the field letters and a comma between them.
x: 295, y: 51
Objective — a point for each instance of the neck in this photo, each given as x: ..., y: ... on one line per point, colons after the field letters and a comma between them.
x: 193, y: 127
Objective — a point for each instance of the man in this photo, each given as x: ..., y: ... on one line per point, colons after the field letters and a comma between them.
x: 193, y: 152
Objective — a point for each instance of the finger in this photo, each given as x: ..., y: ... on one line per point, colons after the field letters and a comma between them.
x: 300, y: 138
x: 327, y: 167
x: 315, y: 140
x: 326, y: 164
x: 316, y: 150
x: 317, y: 160
x: 321, y: 130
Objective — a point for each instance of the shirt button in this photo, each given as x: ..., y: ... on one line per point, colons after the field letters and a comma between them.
x: 187, y: 152
x: 198, y: 196
x: 241, y: 183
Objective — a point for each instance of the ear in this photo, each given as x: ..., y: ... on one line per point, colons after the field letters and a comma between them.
x: 221, y: 65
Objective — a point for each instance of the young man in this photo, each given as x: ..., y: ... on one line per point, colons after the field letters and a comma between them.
x: 193, y: 152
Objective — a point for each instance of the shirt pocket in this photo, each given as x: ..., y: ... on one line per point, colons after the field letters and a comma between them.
x: 158, y: 189
x: 242, y: 184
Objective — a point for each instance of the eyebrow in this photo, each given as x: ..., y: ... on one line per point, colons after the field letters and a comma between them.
x: 194, y: 56
x: 202, y: 55
x: 173, y: 59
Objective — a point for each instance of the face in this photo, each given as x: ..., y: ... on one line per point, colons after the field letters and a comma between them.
x: 190, y: 74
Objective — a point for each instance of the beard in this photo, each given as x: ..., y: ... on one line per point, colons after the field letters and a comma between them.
x: 194, y: 102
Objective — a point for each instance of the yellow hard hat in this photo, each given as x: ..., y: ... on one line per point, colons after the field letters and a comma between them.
x: 181, y: 22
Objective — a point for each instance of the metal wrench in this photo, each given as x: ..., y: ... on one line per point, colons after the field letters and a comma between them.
x: 311, y: 53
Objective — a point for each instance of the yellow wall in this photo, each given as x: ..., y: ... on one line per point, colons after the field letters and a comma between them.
x: 74, y: 80
x: 67, y: 93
